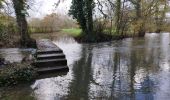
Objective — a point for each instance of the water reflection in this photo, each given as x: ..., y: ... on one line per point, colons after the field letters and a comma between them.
x: 79, y: 87
x: 130, y: 69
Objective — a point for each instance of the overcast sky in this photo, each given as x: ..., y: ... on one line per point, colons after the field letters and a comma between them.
x: 42, y: 7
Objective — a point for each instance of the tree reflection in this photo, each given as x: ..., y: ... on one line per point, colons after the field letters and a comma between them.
x: 129, y: 71
x: 79, y: 86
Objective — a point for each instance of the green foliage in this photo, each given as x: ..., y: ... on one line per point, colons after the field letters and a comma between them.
x: 1, y: 5
x: 7, y: 30
x: 77, y: 11
x: 82, y: 11
x: 3, y: 33
x: 16, y: 73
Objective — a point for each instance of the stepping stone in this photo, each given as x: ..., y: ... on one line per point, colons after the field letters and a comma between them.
x: 52, y: 69
x: 44, y: 74
x: 48, y: 51
x: 50, y: 56
x: 51, y: 62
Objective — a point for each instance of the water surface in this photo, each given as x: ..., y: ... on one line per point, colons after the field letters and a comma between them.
x: 15, y: 54
x: 129, y: 69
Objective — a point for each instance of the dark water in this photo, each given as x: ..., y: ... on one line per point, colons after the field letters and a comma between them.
x: 130, y: 69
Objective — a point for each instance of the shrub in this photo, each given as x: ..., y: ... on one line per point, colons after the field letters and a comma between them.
x: 16, y: 73
x: 8, y: 31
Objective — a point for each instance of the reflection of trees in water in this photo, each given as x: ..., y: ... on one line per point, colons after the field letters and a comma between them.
x: 79, y: 87
x: 102, y: 72
x: 134, y: 62
x: 130, y: 69
x: 116, y: 66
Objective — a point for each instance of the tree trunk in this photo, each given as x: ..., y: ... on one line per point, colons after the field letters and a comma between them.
x: 138, y: 9
x: 89, y: 21
x: 118, y: 13
x: 141, y: 32
x: 19, y: 7
x: 90, y: 16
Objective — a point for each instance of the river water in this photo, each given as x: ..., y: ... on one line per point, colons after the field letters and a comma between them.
x: 129, y: 69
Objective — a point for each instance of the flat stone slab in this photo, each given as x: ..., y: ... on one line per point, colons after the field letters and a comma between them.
x: 49, y: 51
x: 46, y: 45
x: 52, y: 69
x: 50, y: 56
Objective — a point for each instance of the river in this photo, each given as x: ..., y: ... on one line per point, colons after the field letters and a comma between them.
x: 129, y: 69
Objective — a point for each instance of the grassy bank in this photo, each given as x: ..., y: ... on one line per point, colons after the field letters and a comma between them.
x: 100, y: 37
x: 53, y: 35
x: 75, y: 32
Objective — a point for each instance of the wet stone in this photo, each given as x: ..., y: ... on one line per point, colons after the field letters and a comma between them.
x: 49, y: 58
x: 46, y: 45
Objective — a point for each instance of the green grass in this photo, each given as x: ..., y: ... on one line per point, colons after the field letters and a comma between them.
x: 108, y: 31
x: 73, y: 32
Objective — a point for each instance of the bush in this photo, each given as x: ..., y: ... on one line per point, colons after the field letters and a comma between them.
x: 8, y: 31
x: 3, y: 33
x: 16, y: 73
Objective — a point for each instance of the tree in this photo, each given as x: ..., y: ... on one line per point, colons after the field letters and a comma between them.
x: 118, y: 15
x: 50, y: 23
x: 161, y: 8
x: 137, y: 5
x: 139, y: 18
x: 82, y: 11
x: 20, y: 7
x: 1, y: 1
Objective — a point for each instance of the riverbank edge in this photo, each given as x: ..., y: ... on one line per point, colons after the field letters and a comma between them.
x: 17, y: 73
x: 102, y: 38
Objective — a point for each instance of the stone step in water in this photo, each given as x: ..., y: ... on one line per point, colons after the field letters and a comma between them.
x: 52, y: 69
x: 48, y: 51
x: 50, y: 56
x: 51, y: 63
x: 45, y: 74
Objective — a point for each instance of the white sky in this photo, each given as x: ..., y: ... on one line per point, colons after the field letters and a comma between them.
x: 42, y: 7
